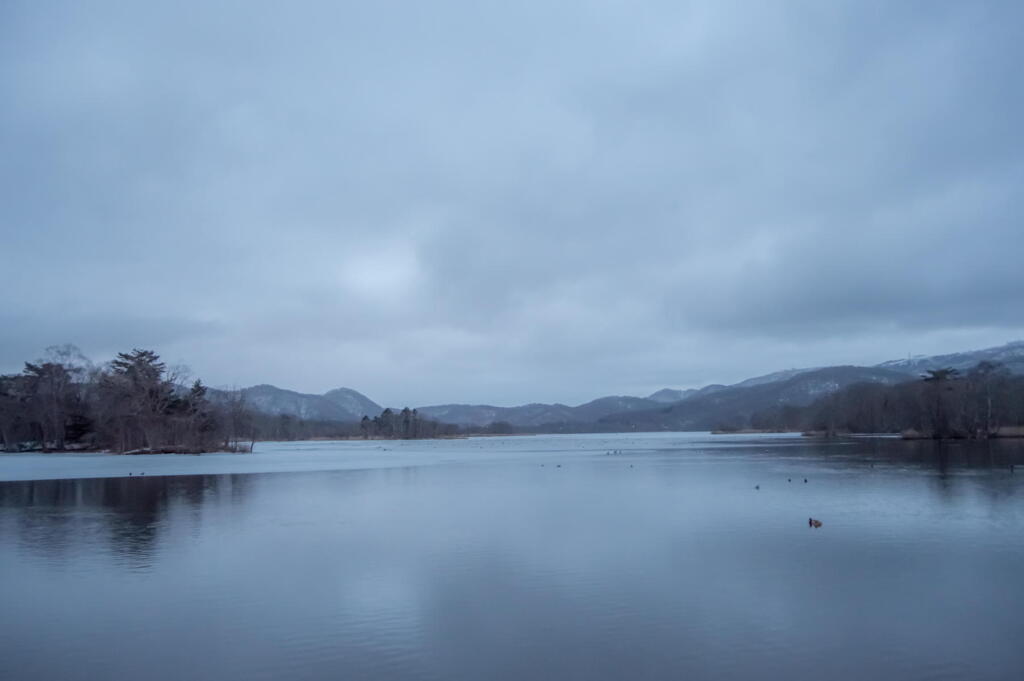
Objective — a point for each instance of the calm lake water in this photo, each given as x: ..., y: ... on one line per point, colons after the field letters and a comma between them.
x: 519, y: 558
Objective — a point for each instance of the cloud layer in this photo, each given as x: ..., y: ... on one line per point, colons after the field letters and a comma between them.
x: 505, y: 202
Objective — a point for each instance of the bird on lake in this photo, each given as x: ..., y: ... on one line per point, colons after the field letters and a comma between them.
x: 805, y: 479
x: 757, y: 486
x: 811, y: 522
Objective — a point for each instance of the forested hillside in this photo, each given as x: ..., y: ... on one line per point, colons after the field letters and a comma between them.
x: 985, y: 401
x: 736, y: 405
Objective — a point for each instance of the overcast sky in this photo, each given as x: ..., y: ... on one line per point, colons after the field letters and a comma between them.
x: 509, y: 201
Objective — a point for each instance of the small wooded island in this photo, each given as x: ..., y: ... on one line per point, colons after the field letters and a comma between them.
x: 135, y: 404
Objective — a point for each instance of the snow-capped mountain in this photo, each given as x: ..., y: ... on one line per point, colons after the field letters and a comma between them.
x: 1011, y: 355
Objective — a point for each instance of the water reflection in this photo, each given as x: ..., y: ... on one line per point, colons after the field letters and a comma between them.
x: 661, y: 562
x: 126, y: 514
x: 957, y: 464
x: 946, y: 456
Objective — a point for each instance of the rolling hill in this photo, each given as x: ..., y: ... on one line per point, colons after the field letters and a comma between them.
x: 342, y: 404
x: 667, y: 409
x: 734, y: 405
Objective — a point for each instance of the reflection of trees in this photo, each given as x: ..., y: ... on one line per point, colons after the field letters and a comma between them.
x: 947, y: 458
x: 134, y: 511
x: 35, y: 513
x: 51, y: 516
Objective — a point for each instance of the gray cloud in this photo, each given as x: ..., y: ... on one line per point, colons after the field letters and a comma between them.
x: 483, y: 202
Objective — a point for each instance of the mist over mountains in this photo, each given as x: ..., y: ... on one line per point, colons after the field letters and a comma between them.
x: 666, y: 409
x: 340, y: 404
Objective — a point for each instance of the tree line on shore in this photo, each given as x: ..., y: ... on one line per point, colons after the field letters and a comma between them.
x: 985, y: 402
x: 136, y: 404
x: 406, y: 424
x: 133, y: 403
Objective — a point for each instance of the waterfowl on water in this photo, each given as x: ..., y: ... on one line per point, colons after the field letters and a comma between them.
x: 811, y: 522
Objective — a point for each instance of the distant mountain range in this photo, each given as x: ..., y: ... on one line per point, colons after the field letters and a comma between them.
x: 667, y: 409
x: 535, y: 415
x: 734, y: 405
